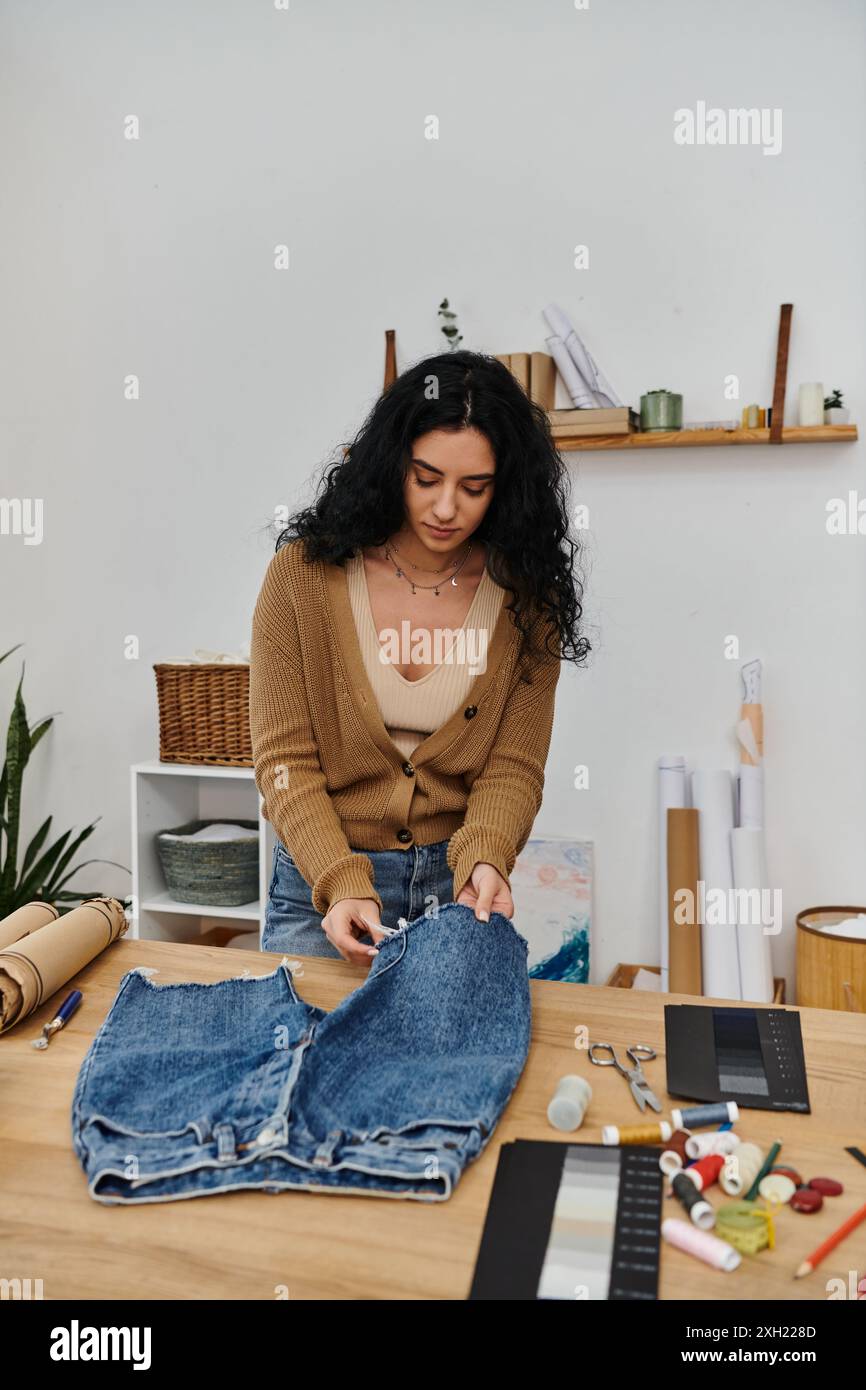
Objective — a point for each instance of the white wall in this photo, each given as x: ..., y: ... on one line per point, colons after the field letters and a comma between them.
x: 306, y: 127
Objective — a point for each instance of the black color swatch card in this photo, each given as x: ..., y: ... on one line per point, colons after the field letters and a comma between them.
x: 752, y: 1056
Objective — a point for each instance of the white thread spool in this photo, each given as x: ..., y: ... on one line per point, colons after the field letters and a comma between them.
x: 568, y: 1106
x: 724, y: 1141
x: 738, y: 1175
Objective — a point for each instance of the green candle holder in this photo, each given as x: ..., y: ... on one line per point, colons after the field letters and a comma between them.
x: 661, y: 410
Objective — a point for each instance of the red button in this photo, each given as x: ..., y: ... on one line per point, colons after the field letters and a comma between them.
x: 789, y: 1173
x: 806, y: 1199
x: 828, y: 1187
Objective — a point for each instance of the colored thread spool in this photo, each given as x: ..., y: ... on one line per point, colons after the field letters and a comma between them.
x: 702, y: 1244
x: 740, y: 1170
x: 747, y: 1227
x: 568, y: 1106
x: 698, y: 1208
x: 702, y: 1115
x: 674, y: 1156
x: 705, y: 1171
x: 658, y: 1133
x: 723, y: 1141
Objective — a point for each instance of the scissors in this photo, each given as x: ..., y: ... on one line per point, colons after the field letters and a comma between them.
x: 638, y: 1083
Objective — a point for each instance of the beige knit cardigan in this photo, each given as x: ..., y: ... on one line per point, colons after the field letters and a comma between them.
x: 333, y: 782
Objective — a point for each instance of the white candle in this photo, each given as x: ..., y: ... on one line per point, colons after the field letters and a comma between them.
x: 812, y: 403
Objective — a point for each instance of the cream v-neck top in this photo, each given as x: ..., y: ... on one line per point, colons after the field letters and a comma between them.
x: 412, y: 710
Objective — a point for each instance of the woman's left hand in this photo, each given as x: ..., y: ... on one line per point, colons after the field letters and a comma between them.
x: 487, y: 891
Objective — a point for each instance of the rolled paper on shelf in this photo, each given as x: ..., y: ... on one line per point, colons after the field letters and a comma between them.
x: 698, y: 1208
x: 684, y: 928
x: 713, y: 795
x: 705, y: 1171
x: 38, y: 964
x: 753, y: 942
x: 671, y: 794
x: 562, y: 328
x: 740, y: 1170
x: 723, y: 1141
x: 702, y: 1244
x: 24, y: 921
x: 579, y: 392
x: 674, y: 1156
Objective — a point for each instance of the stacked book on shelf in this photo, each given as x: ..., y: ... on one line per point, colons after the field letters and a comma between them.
x: 616, y: 419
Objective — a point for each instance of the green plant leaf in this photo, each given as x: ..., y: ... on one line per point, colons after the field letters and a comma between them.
x: 17, y: 754
x: 35, y: 845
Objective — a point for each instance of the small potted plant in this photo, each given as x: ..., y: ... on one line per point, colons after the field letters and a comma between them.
x: 449, y: 325
x: 835, y: 413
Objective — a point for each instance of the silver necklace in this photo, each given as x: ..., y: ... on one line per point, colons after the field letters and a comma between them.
x: 435, y: 587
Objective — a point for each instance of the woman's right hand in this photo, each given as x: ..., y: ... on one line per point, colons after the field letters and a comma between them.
x: 346, y: 921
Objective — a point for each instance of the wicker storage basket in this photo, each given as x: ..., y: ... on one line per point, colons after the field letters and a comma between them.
x: 204, y: 714
x: 831, y: 970
x: 215, y: 873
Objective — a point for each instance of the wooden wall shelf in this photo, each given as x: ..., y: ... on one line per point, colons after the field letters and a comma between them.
x: 686, y: 439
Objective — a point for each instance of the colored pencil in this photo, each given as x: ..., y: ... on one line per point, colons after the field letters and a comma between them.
x: 830, y: 1243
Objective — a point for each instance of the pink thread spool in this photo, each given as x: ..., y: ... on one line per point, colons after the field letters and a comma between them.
x: 701, y: 1244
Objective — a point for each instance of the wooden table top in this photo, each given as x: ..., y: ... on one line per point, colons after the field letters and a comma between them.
x: 316, y: 1245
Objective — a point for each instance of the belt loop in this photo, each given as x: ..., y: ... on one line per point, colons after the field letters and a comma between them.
x: 226, y: 1147
x: 324, y: 1152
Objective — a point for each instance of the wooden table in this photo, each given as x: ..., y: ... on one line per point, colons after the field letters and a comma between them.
x: 308, y: 1245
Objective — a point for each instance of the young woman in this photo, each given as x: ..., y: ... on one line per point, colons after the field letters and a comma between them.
x: 406, y: 648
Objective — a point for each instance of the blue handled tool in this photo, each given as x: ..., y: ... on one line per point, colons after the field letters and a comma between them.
x: 63, y: 1015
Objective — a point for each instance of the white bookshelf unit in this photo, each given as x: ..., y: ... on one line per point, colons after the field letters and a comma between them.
x: 169, y: 794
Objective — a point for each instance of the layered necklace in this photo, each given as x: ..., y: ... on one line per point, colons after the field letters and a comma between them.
x: 401, y: 574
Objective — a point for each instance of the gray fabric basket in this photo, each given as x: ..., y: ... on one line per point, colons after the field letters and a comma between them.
x: 222, y: 873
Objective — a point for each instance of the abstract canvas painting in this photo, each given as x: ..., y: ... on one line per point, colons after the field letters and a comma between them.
x: 551, y: 884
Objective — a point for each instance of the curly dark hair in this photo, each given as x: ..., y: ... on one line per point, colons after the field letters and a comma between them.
x: 525, y: 528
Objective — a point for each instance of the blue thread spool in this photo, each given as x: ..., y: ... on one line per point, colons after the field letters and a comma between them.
x: 706, y: 1115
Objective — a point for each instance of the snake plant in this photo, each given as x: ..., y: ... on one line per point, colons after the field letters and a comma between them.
x: 44, y: 871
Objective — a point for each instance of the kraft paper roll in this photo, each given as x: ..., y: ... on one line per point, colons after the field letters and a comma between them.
x: 671, y: 792
x: 38, y: 963
x: 713, y: 795
x: 753, y: 943
x: 683, y: 861
x: 25, y: 920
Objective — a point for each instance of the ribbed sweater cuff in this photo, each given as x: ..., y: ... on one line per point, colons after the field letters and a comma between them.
x: 478, y: 844
x: 351, y: 877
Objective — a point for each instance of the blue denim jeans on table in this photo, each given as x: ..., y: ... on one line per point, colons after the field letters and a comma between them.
x: 190, y: 1090
x: 407, y: 881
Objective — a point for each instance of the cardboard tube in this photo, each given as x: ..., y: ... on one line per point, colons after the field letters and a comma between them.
x: 671, y: 792
x: 684, y: 949
x: 38, y: 963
